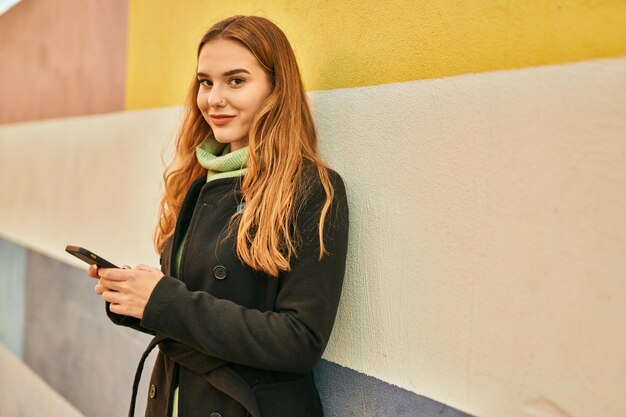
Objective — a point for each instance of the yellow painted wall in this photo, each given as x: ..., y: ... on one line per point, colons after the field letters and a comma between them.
x: 357, y: 43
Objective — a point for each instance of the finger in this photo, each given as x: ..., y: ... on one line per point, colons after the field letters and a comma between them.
x: 99, y: 289
x: 117, y: 286
x: 117, y: 308
x: 92, y: 271
x: 115, y: 274
x: 112, y: 297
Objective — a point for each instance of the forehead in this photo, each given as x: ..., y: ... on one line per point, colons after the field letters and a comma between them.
x: 220, y: 55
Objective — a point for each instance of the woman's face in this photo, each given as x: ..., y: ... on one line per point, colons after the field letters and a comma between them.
x: 233, y: 85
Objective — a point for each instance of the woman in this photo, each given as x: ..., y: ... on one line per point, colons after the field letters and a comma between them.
x: 253, y: 237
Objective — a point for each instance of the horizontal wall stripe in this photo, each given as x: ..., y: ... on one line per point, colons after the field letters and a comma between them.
x: 24, y: 394
x: 12, y: 281
x: 486, y: 226
x: 86, y: 173
x: 62, y: 60
x: 359, y: 43
x: 345, y: 392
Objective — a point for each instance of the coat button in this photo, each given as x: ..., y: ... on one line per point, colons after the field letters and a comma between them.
x: 152, y: 392
x: 215, y: 415
x: 220, y: 272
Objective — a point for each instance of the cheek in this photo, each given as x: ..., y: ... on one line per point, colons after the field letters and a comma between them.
x: 203, y: 106
x: 256, y: 101
x: 201, y: 102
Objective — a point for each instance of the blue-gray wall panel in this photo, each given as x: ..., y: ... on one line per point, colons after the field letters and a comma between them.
x: 12, y: 277
x: 346, y: 392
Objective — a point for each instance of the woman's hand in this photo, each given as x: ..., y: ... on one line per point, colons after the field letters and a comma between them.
x: 92, y: 271
x: 127, y: 289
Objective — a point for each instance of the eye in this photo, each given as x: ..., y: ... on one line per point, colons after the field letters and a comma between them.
x: 205, y: 83
x: 236, y: 81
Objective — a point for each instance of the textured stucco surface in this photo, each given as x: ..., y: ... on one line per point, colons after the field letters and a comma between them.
x: 488, y: 236
x: 487, y: 233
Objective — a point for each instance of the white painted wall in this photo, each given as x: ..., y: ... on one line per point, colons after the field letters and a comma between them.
x: 90, y: 181
x: 488, y: 236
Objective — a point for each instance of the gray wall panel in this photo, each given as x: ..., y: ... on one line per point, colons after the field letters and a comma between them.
x: 12, y: 276
x: 346, y: 392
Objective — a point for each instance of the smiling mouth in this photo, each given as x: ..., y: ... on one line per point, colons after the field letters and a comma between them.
x: 221, y: 120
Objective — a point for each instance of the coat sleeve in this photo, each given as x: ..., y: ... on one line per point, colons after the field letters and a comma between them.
x: 290, y: 339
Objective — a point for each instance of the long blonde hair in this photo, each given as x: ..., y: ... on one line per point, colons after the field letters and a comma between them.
x: 281, y: 137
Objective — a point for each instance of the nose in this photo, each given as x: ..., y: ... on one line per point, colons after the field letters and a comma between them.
x: 216, y: 98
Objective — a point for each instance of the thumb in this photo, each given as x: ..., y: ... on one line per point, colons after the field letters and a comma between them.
x: 92, y: 271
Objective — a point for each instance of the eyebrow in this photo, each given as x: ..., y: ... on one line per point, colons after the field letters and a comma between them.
x: 227, y: 73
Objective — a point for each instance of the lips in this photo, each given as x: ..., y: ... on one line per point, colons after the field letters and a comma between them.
x: 221, y: 119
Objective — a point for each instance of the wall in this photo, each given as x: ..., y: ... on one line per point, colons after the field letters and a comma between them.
x: 482, y: 144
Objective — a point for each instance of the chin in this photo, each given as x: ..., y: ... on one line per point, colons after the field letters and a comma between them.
x: 220, y: 137
x: 224, y: 140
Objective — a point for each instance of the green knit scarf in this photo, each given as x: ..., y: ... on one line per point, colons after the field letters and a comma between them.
x: 219, y: 161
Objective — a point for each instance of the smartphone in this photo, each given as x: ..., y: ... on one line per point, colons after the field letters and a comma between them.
x: 88, y: 256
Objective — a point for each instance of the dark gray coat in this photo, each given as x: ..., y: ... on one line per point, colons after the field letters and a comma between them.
x: 239, y: 342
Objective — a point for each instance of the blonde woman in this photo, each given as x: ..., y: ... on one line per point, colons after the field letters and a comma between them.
x: 252, y: 232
